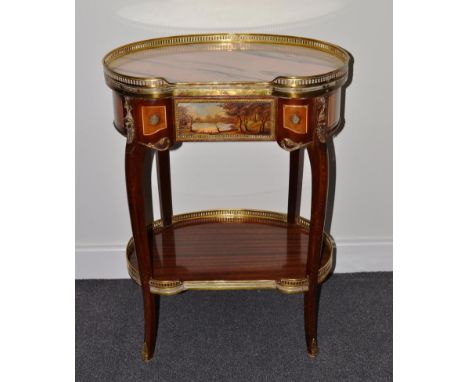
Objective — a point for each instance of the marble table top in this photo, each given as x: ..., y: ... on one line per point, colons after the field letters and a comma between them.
x: 225, y: 62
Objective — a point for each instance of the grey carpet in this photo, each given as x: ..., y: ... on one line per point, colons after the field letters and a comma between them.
x: 236, y: 335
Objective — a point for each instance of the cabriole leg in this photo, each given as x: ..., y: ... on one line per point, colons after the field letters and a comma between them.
x: 163, y: 172
x: 296, y: 165
x: 319, y: 165
x: 138, y: 161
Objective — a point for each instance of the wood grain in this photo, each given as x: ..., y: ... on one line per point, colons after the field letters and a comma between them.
x: 228, y: 251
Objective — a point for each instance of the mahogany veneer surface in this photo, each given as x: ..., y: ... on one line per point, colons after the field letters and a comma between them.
x: 228, y: 251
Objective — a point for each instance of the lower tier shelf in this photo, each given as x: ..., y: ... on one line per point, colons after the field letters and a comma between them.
x: 230, y: 249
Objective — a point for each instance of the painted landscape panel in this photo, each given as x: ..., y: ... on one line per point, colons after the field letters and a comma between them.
x: 225, y: 120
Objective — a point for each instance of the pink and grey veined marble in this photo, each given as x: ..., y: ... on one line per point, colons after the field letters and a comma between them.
x: 225, y: 62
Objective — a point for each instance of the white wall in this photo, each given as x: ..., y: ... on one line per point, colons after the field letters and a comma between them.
x: 362, y: 219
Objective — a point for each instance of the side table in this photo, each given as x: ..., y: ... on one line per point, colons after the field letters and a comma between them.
x: 227, y: 87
